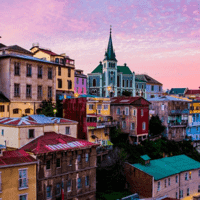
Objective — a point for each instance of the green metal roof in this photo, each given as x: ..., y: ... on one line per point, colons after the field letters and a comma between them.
x: 177, y: 91
x: 145, y: 157
x: 124, y: 69
x: 98, y: 69
x: 164, y: 167
x: 138, y: 80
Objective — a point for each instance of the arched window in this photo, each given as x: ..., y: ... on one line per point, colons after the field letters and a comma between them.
x: 94, y: 82
x: 131, y: 83
x: 28, y: 110
x: 127, y: 83
x: 142, y: 94
x: 15, y: 111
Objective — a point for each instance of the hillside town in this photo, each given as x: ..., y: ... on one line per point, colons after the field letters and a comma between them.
x: 110, y: 134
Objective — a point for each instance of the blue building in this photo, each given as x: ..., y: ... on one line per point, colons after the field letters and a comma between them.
x: 109, y: 79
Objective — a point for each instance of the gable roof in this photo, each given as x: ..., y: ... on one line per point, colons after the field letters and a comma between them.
x: 2, y: 45
x: 124, y: 69
x: 145, y: 157
x: 178, y: 91
x: 16, y: 157
x: 147, y: 78
x: 47, y: 52
x: 188, y: 92
x: 52, y: 142
x: 3, y: 98
x: 168, y: 166
x: 17, y: 48
x: 98, y: 69
x: 137, y: 101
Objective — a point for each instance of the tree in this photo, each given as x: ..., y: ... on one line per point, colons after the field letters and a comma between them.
x: 155, y: 126
x: 126, y: 93
x: 47, y: 108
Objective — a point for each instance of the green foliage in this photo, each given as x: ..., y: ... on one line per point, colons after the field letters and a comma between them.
x: 155, y: 126
x: 126, y: 93
x: 47, y: 108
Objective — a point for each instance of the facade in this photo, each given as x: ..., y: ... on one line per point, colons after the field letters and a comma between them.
x: 26, y: 81
x: 4, y: 105
x: 192, y: 94
x: 153, y: 87
x: 67, y: 167
x: 193, y: 129
x: 19, y: 131
x: 173, y: 112
x: 178, y: 91
x: 132, y: 114
x: 140, y: 88
x: 80, y: 82
x: 17, y: 175
x: 175, y: 177
x: 64, y: 70
x: 108, y: 79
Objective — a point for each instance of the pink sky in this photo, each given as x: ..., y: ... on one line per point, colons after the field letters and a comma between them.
x: 157, y: 37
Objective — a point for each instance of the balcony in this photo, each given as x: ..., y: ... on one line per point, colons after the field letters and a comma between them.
x: 179, y: 112
x: 23, y: 184
x: 178, y: 124
x: 102, y: 124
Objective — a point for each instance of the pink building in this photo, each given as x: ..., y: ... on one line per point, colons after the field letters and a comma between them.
x: 80, y: 80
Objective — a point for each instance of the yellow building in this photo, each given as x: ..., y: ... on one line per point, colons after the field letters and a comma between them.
x: 64, y: 70
x: 25, y: 81
x: 4, y: 105
x: 17, y: 175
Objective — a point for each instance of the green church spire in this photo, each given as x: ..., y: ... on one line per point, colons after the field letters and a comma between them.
x: 110, y: 54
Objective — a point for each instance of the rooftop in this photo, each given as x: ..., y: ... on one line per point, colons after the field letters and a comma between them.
x: 51, y: 142
x: 178, y: 91
x: 168, y: 166
x: 147, y: 78
x: 192, y: 92
x: 168, y: 98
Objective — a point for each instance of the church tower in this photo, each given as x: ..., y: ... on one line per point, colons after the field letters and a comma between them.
x: 110, y: 70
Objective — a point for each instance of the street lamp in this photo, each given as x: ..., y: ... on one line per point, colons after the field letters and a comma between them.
x: 76, y: 95
x: 54, y: 111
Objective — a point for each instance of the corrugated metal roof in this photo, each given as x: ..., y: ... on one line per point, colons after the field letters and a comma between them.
x: 167, y: 98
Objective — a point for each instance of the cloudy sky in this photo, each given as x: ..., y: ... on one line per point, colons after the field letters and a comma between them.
x: 158, y: 37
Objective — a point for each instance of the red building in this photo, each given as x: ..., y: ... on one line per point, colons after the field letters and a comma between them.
x: 132, y: 113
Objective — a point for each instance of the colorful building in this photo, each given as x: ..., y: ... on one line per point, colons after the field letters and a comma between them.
x: 175, y: 177
x: 192, y: 94
x: 132, y: 115
x: 80, y: 82
x: 64, y: 70
x: 178, y: 91
x: 140, y: 88
x: 66, y: 168
x: 19, y: 131
x: 193, y: 129
x: 4, y: 105
x: 108, y: 79
x: 25, y: 81
x: 17, y: 175
x: 153, y: 87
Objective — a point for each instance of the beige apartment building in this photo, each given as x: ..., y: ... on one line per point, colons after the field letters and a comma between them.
x: 17, y: 132
x: 25, y: 81
x: 65, y: 67
x: 175, y: 177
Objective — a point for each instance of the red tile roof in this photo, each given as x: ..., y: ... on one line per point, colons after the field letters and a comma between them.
x: 129, y: 100
x: 192, y: 92
x: 49, y: 52
x: 15, y: 157
x: 52, y: 142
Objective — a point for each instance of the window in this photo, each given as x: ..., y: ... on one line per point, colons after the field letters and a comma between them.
x: 87, y: 157
x: 49, y: 92
x: 186, y: 176
x: 162, y: 107
x: 131, y: 83
x: 168, y: 181
x: 79, y: 158
x: 176, y: 178
x: 57, y: 162
x: 87, y: 181
x: 17, y: 69
x: 23, y: 197
x: 196, y: 128
x: 67, y: 130
x: 159, y: 88
x: 190, y: 175
x: 69, y: 84
x: 126, y: 111
x: 15, y: 111
x: 27, y: 111
x: 134, y: 112
x: 82, y: 90
x: 188, y: 191
x: 70, y: 161
x: 58, y: 189
x: 31, y: 133
x: 69, y: 72
x: 199, y: 173
x: 2, y: 132
x: 90, y: 106
x: 99, y: 106
x: 39, y: 71
x: 132, y: 126
x: 198, y: 188
x: 49, y: 192
x: 94, y: 82
x: 57, y: 60
x: 176, y: 195
x: 142, y: 86
x: 127, y: 83
x: 2, y: 108
x: 16, y: 90
x: 158, y: 189
x: 136, y: 85
x: 59, y: 83
x: 39, y: 91
x: 79, y: 185
x: 82, y: 81
x: 165, y: 182
x: 49, y: 73
x: 123, y: 124
x: 28, y: 70
x: 23, y: 181
x: 181, y: 194
x: 77, y: 80
x: 59, y: 70
x: 48, y: 164
x: 123, y: 83
x: 143, y: 126
x: 118, y: 85
x: 118, y: 111
x: 8, y: 108
x: 142, y: 113
x: 152, y: 88
x: 69, y: 185
x: 105, y: 106
x: 28, y: 91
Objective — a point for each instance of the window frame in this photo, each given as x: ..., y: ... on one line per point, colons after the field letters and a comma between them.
x: 186, y: 176
x: 132, y: 126
x: 39, y: 72
x: 16, y: 69
x: 134, y: 112
x: 176, y: 179
x: 58, y: 184
x: 59, y: 70
x: 39, y: 91
x: 188, y: 191
x: 87, y: 157
x: 28, y: 70
x: 59, y: 83
x: 69, y: 185
x: 29, y: 130
x: 26, y: 194
x: 118, y: 109
x: 69, y: 72
x: 28, y: 91
x: 48, y: 164
x: 142, y: 112
x: 105, y: 106
x: 2, y: 108
x: 67, y: 128
x: 2, y: 132
x: 87, y: 181
x: 50, y: 192
x: 79, y: 184
x: 92, y: 106
x: 169, y: 181
x: 58, y: 163
x: 50, y: 73
x: 143, y: 126
x: 22, y: 178
x: 16, y: 90
x: 158, y: 186
x: 50, y: 92
x: 127, y: 111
